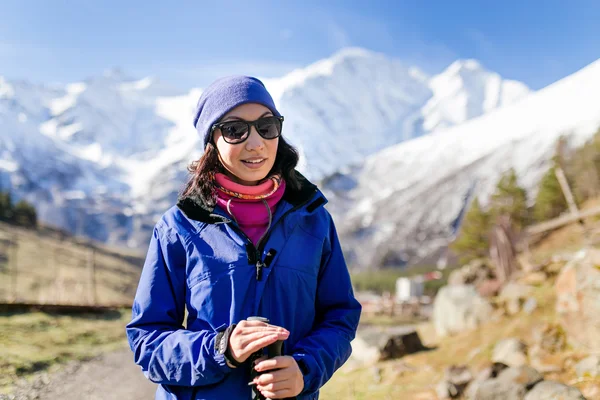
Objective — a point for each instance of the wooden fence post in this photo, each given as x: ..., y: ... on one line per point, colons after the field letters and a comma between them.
x: 14, y: 267
x: 91, y: 264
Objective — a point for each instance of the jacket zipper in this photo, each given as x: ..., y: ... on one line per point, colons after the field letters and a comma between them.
x: 260, y: 248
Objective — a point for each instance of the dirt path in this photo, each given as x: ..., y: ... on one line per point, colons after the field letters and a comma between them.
x: 111, y: 376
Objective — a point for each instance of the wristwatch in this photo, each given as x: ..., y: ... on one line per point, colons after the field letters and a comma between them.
x: 222, y: 346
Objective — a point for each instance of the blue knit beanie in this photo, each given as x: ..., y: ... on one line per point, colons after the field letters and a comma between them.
x: 224, y: 95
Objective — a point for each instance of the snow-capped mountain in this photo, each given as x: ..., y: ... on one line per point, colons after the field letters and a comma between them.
x: 341, y: 109
x: 400, y: 204
x: 107, y: 156
x: 466, y: 90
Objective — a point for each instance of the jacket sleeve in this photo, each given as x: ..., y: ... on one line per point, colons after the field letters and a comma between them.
x: 327, y: 346
x: 166, y: 352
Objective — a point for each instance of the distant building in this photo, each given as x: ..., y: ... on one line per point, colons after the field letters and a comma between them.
x: 408, y: 289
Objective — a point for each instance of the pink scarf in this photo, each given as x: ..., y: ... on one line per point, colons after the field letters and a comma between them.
x: 252, y: 207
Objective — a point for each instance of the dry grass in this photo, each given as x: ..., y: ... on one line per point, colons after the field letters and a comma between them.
x: 415, y: 376
x: 37, y: 341
x: 53, y: 269
x: 46, y: 269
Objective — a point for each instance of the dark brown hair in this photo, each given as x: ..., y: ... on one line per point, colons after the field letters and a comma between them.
x: 201, y: 171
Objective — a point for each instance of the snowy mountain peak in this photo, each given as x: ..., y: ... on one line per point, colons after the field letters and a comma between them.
x: 116, y: 74
x: 460, y: 66
x: 130, y: 140
x: 466, y: 90
x: 426, y: 179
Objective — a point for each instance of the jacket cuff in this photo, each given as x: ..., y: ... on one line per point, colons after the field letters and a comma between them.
x: 308, y: 367
x: 218, y: 355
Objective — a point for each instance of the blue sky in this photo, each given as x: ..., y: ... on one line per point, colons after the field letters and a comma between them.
x: 190, y: 43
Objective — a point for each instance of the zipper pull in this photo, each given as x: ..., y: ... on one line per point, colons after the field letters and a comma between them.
x: 259, y: 270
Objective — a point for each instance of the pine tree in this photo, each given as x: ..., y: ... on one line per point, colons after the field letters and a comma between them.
x: 24, y: 214
x: 473, y: 240
x: 550, y: 201
x: 6, y: 207
x: 583, y: 170
x: 510, y: 199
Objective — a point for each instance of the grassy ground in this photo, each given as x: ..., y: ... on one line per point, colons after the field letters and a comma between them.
x: 32, y: 342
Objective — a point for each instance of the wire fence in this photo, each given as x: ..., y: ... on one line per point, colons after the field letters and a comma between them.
x: 41, y: 270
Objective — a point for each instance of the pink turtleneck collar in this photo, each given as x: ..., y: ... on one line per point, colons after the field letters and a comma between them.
x: 251, y: 207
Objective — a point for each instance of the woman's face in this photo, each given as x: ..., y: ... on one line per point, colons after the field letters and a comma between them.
x: 248, y: 162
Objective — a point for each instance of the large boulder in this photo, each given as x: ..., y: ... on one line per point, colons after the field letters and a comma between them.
x: 374, y: 344
x: 578, y: 300
x: 511, y: 384
x: 484, y: 375
x: 459, y: 308
x: 456, y: 379
x: 549, y: 390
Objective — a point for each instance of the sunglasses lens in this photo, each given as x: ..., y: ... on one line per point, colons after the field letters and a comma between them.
x: 269, y: 128
x: 234, y: 132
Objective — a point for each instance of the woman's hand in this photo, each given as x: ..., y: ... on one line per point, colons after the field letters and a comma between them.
x: 284, y: 381
x: 251, y: 336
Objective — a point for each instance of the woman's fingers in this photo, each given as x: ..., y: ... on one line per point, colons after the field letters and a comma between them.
x: 275, y: 363
x: 251, y: 336
x: 260, y: 343
x: 277, y: 394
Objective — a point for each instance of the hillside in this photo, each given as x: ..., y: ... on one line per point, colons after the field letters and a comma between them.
x: 49, y: 266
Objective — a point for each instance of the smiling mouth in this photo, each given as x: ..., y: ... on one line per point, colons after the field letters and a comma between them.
x: 254, y: 163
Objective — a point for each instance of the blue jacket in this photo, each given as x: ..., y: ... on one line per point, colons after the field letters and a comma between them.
x: 200, y: 260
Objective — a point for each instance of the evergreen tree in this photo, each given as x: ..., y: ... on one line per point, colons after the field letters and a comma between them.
x: 473, y: 240
x: 550, y: 201
x: 583, y: 170
x: 6, y: 207
x: 24, y: 214
x: 510, y: 199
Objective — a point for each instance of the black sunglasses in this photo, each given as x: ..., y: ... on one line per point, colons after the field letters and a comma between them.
x: 235, y: 132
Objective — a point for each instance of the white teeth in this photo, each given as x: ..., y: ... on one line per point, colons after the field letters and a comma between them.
x: 255, y: 161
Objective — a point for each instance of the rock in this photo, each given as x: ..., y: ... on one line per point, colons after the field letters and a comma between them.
x: 511, y: 352
x: 512, y: 295
x: 498, y: 390
x: 578, y: 300
x: 511, y: 384
x: 534, y: 278
x: 487, y: 373
x: 530, y: 305
x: 588, y: 367
x: 377, y: 344
x: 456, y: 379
x: 549, y: 390
x: 459, y: 308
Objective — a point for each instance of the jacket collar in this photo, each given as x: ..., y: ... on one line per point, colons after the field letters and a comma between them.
x: 196, y: 208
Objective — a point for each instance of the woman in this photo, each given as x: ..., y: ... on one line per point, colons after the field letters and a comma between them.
x: 248, y: 237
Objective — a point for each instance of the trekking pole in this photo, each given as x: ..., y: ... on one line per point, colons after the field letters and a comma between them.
x: 273, y: 350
